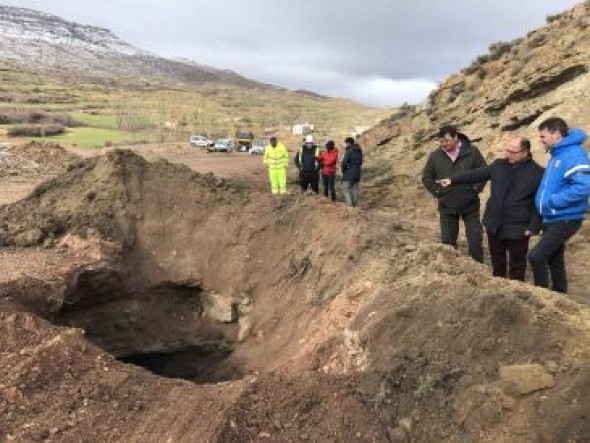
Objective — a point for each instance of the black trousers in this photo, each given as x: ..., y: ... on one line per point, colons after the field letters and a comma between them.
x: 517, y: 255
x: 549, y: 254
x: 312, y: 179
x: 329, y: 183
x: 449, y: 231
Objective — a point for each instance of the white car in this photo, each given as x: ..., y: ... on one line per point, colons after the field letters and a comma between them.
x: 258, y: 148
x: 200, y: 141
x: 221, y: 145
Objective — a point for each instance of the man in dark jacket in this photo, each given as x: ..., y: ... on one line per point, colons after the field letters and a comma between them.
x: 456, y: 154
x: 510, y: 217
x: 308, y: 164
x: 562, y: 200
x: 351, y: 171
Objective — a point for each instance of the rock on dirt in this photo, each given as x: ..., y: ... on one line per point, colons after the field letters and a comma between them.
x: 524, y: 379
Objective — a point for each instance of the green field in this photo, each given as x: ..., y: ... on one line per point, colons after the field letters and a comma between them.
x: 101, y: 114
x: 87, y: 137
x: 113, y: 121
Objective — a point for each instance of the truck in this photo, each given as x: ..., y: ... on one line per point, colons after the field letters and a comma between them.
x: 243, y: 140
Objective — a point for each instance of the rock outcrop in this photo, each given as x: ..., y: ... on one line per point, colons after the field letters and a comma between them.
x: 507, y: 91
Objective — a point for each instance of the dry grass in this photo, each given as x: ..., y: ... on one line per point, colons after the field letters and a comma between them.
x: 172, y: 114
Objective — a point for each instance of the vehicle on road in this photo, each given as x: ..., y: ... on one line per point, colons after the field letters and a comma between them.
x: 221, y: 145
x: 258, y: 147
x: 200, y: 141
x: 243, y: 140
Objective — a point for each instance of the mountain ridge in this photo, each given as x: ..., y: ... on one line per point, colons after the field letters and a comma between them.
x: 46, y: 43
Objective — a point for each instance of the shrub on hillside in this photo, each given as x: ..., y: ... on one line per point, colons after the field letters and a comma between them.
x: 471, y: 69
x: 36, y: 117
x: 481, y: 59
x: 498, y: 49
x: 458, y: 88
x: 35, y: 130
x: 552, y: 18
x: 406, y: 108
x: 536, y: 40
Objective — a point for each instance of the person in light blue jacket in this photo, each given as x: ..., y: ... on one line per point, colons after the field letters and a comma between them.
x: 562, y: 200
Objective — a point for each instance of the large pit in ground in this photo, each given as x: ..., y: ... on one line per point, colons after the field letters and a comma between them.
x: 420, y: 333
x: 175, y: 330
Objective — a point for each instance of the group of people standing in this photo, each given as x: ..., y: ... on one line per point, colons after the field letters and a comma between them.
x: 525, y: 199
x: 311, y: 161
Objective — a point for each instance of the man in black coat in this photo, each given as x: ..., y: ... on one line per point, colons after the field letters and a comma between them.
x: 308, y: 164
x: 510, y: 217
x: 351, y: 171
x: 456, y: 154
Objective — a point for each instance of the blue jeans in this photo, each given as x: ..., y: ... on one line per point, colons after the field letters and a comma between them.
x: 351, y: 193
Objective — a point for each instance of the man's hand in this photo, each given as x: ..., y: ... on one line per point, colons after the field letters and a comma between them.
x: 444, y: 182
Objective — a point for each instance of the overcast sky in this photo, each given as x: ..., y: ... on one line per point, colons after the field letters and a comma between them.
x: 379, y: 52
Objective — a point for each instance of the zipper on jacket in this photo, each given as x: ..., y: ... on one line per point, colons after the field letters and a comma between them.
x: 551, y: 162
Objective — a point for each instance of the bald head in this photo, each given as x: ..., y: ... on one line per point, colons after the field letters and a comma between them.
x: 518, y: 149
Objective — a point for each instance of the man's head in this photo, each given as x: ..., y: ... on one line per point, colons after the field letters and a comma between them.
x: 309, y: 139
x: 518, y: 149
x: 273, y: 142
x: 349, y: 141
x: 330, y: 145
x: 448, y: 138
x: 551, y: 131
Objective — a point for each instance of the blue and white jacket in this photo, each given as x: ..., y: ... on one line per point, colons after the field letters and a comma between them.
x: 565, y: 188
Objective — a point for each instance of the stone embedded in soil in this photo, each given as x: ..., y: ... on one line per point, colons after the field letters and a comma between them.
x: 245, y: 328
x: 29, y: 238
x: 526, y: 378
x: 11, y: 394
x: 220, y: 308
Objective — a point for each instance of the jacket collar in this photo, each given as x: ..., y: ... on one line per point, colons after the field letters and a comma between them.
x: 575, y: 137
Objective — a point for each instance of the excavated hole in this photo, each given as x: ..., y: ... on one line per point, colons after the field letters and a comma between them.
x: 173, y: 330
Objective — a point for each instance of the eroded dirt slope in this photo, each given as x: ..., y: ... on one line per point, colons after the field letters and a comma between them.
x: 331, y: 324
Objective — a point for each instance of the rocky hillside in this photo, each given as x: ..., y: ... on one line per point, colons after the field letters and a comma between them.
x: 47, y: 44
x: 507, y: 91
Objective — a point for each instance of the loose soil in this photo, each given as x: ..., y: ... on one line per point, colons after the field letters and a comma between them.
x: 291, y: 319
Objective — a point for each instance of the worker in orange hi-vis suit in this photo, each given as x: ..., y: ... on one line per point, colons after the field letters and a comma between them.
x: 276, y: 159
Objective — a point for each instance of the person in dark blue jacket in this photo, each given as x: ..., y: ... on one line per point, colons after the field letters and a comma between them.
x: 562, y: 200
x: 351, y: 171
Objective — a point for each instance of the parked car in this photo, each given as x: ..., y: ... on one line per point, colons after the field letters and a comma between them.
x: 200, y: 141
x: 221, y: 145
x: 258, y: 148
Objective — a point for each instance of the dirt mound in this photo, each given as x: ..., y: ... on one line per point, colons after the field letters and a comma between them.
x: 64, y: 388
x: 294, y: 320
x: 105, y: 194
x: 35, y: 158
x: 308, y: 407
x: 461, y: 354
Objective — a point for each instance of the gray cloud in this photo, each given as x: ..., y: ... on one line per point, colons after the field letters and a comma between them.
x: 378, y: 52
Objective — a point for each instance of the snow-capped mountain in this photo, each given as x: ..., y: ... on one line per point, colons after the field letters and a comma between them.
x: 40, y: 42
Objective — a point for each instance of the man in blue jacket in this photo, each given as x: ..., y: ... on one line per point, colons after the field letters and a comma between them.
x: 562, y: 200
x: 351, y: 172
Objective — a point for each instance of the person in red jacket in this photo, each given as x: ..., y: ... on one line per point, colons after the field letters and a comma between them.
x: 329, y: 160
